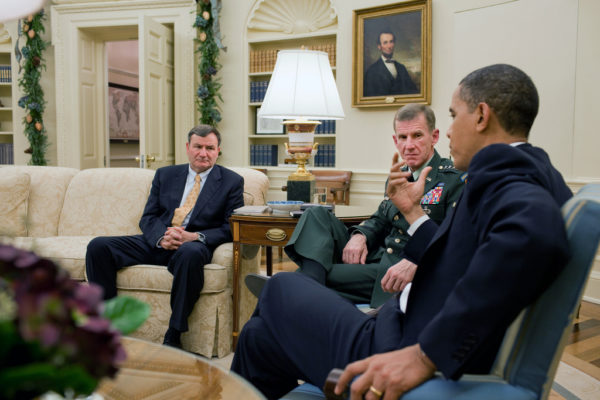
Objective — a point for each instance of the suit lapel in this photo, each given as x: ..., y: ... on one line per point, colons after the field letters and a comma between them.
x: 179, y: 187
x: 430, y: 184
x: 447, y: 222
x: 212, y: 184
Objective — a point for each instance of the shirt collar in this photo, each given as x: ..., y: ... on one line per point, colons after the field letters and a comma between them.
x: 417, y: 173
x: 203, y: 175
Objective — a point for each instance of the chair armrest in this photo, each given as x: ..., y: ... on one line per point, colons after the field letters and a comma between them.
x: 469, y: 387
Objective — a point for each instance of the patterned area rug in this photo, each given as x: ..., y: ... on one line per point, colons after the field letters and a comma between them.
x: 576, y: 380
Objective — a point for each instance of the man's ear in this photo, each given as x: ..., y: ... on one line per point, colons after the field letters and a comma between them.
x: 483, y: 113
x: 435, y: 135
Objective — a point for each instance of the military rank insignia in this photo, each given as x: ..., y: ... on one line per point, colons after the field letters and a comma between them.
x: 434, y: 195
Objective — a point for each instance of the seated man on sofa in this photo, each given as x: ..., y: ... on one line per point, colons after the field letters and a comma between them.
x: 186, y: 217
x: 502, y: 245
x: 365, y: 263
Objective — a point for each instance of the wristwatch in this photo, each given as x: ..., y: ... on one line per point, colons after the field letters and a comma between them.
x: 201, y: 237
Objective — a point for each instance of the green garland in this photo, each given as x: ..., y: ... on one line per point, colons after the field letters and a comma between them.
x: 208, y: 88
x: 33, y: 101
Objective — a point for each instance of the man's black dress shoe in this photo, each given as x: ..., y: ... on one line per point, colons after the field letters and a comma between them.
x: 172, y: 338
x: 255, y: 283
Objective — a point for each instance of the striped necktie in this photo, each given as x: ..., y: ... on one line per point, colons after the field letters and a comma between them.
x: 190, y: 201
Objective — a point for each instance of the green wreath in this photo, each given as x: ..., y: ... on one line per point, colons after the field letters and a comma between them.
x: 31, y: 63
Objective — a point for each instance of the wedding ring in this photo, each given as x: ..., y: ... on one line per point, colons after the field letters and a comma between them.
x: 375, y: 392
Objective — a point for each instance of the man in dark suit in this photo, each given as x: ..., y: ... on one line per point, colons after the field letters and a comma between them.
x: 499, y: 249
x: 186, y: 217
x: 386, y: 76
x: 354, y: 261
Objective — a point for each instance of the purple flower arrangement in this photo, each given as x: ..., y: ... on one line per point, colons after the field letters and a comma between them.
x: 56, y: 334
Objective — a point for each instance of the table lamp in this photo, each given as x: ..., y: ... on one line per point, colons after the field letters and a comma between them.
x: 301, y: 89
x: 13, y: 9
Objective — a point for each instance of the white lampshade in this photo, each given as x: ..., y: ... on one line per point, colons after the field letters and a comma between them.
x: 13, y: 9
x: 302, y: 86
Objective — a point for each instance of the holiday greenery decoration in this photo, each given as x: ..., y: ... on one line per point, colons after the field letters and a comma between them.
x: 31, y: 63
x: 209, y: 45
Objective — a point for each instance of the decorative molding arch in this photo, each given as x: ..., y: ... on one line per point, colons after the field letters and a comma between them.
x: 292, y: 16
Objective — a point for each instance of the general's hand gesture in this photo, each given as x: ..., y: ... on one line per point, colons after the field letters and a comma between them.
x: 404, y: 194
x: 355, y: 251
x: 390, y: 374
x: 398, y: 276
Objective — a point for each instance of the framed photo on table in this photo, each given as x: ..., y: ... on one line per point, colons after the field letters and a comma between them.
x: 123, y: 112
x: 268, y: 126
x: 392, y: 54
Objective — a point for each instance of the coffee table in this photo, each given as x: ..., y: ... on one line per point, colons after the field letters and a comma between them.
x: 269, y: 229
x: 154, y: 371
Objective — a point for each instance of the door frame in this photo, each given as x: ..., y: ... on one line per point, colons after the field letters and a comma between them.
x: 68, y: 19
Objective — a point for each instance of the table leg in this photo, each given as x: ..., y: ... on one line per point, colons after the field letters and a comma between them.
x: 269, y: 251
x: 236, y: 291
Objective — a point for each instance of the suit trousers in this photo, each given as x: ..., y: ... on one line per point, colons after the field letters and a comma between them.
x: 301, y: 329
x: 106, y: 255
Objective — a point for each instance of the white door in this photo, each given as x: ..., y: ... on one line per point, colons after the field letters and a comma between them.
x: 156, y: 94
x: 91, y: 101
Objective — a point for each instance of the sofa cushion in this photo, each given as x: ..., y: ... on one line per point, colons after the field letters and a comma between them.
x: 156, y: 278
x: 69, y: 253
x: 105, y: 202
x: 46, y: 196
x: 14, y: 193
x: 66, y: 251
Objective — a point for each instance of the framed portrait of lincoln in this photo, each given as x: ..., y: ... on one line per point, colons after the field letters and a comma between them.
x: 392, y: 54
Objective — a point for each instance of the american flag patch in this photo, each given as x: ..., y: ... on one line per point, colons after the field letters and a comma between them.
x: 434, y: 195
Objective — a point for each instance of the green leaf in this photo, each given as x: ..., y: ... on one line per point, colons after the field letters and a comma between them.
x: 126, y: 313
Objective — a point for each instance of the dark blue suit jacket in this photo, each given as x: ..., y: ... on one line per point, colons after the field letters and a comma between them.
x: 495, y: 254
x: 380, y: 82
x: 221, y: 194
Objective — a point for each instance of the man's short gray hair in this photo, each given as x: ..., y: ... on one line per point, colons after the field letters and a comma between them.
x: 203, y: 131
x: 412, y: 111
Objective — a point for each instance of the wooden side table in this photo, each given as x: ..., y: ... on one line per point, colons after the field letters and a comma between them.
x: 272, y: 230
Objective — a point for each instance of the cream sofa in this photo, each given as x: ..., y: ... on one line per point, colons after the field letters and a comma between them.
x: 56, y: 211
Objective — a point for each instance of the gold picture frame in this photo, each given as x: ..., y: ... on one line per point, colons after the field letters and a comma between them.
x: 408, y: 25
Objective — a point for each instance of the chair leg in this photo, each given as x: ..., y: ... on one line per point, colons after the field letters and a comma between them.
x: 280, y: 253
x: 269, y: 251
